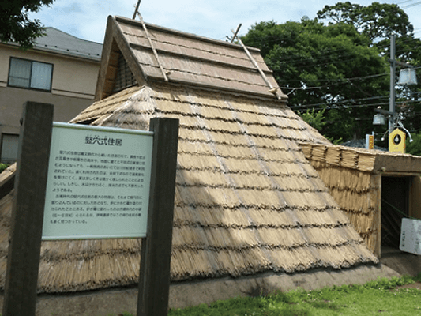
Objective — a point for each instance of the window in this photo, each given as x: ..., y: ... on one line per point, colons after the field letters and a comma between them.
x: 30, y: 74
x: 9, y: 148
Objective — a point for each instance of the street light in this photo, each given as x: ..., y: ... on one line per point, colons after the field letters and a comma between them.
x: 379, y: 119
x: 407, y: 77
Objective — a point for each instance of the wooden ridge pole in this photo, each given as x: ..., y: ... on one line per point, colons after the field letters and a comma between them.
x: 153, y: 48
x: 236, y: 32
x: 136, y: 9
x: 28, y: 210
x: 256, y: 65
x: 156, y: 247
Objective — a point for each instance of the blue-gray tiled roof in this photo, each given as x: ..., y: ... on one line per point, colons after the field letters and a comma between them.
x: 63, y: 43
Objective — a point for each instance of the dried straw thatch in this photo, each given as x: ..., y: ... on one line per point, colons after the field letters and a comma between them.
x: 129, y: 59
x: 247, y: 200
x: 353, y: 176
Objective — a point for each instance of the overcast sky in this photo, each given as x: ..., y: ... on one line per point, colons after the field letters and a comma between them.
x: 211, y: 18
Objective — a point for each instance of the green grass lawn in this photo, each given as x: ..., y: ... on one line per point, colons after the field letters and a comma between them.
x: 374, y: 298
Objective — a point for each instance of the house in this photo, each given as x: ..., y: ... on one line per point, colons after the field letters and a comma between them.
x: 375, y: 189
x: 60, y: 69
x: 250, y: 210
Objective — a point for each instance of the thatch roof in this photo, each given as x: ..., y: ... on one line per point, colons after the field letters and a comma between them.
x: 247, y: 200
x: 365, y: 160
x: 353, y: 176
x: 184, y: 58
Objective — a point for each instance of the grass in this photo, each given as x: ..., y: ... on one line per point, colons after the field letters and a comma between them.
x: 379, y: 297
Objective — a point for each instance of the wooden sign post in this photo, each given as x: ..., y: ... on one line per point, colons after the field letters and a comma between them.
x: 156, y: 247
x: 28, y: 208
x: 28, y: 215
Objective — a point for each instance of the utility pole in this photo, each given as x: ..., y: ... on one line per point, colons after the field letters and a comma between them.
x: 411, y: 80
x: 392, y: 94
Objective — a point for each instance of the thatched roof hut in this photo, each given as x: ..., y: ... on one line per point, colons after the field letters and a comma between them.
x: 247, y: 200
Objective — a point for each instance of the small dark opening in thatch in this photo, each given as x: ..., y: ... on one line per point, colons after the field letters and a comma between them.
x: 394, y: 207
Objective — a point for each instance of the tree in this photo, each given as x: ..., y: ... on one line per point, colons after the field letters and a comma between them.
x: 313, y: 118
x: 324, y: 66
x: 15, y: 25
x: 379, y: 22
x: 414, y: 147
x: 342, y: 65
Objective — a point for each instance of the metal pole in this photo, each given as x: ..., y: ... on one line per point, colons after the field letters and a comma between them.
x: 392, y: 95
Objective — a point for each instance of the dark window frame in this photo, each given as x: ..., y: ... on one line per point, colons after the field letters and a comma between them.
x: 30, y: 76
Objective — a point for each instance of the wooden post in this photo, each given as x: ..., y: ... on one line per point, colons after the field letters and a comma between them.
x: 376, y: 183
x: 1, y: 141
x: 156, y: 247
x: 28, y: 208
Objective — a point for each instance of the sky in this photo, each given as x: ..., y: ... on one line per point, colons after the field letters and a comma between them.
x: 87, y: 19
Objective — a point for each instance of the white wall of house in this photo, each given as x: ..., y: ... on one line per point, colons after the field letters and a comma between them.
x: 73, y: 86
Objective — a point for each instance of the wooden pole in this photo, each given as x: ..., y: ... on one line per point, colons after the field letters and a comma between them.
x: 28, y: 209
x: 153, y: 48
x: 156, y: 247
x: 377, y: 183
x: 1, y: 141
x: 262, y: 74
x: 236, y: 32
x: 136, y: 9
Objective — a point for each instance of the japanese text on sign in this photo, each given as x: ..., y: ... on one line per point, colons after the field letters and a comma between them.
x: 98, y: 183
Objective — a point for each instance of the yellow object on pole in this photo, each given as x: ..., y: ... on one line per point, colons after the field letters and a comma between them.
x: 371, y: 141
x: 397, y: 141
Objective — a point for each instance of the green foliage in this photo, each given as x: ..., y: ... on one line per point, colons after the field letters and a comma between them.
x: 342, y: 66
x: 307, y: 54
x: 377, y: 21
x: 317, y: 120
x: 15, y: 24
x: 314, y: 118
x: 414, y: 147
x: 2, y: 167
x: 335, y: 141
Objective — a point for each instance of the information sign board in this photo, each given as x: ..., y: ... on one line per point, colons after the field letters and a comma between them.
x: 97, y: 183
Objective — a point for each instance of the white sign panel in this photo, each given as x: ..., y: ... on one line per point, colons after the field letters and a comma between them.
x: 411, y: 236
x: 98, y: 183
